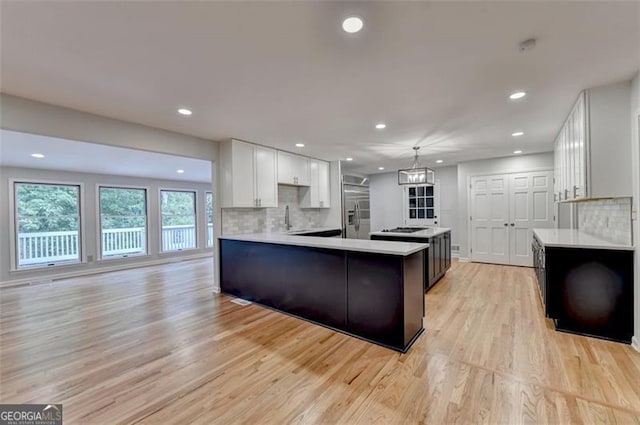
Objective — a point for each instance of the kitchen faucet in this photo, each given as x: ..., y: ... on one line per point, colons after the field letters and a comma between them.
x: 287, y: 220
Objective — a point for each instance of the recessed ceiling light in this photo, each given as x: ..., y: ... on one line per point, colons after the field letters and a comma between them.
x: 380, y: 168
x: 349, y: 159
x: 185, y: 111
x: 37, y: 155
x: 299, y: 145
x: 517, y: 95
x: 381, y: 126
x: 517, y: 134
x: 439, y: 161
x: 352, y: 24
x: 517, y: 152
x: 180, y: 171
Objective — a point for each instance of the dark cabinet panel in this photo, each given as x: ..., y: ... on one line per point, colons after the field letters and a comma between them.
x: 586, y: 291
x: 375, y: 310
x: 305, y: 282
x: 376, y: 297
x: 590, y: 291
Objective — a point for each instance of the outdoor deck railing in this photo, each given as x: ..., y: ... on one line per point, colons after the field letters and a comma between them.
x: 50, y: 247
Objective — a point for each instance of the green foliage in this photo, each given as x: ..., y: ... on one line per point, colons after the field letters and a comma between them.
x: 122, y: 208
x: 54, y: 208
x: 47, y: 208
x: 177, y: 208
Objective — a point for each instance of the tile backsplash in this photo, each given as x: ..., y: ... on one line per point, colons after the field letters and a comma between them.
x: 609, y: 219
x: 258, y: 220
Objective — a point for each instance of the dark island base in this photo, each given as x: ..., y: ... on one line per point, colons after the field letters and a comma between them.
x: 375, y: 297
x: 437, y: 257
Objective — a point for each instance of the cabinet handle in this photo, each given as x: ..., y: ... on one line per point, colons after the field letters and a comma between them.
x: 506, y: 224
x: 259, y: 202
x: 513, y: 224
x: 555, y: 197
x: 566, y: 193
x: 575, y: 191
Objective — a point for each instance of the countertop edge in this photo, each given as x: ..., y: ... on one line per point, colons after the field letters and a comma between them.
x: 417, y: 234
x: 596, y: 244
x: 323, y: 243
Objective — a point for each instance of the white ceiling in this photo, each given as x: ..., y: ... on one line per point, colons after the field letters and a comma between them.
x: 69, y: 155
x: 280, y: 73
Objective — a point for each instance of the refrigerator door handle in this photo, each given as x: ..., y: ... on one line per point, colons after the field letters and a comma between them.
x: 357, y: 216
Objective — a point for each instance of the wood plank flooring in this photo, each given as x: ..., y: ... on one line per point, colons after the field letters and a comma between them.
x: 156, y: 346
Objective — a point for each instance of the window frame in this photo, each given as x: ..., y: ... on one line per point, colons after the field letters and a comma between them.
x: 13, y: 225
x: 195, y: 213
x: 206, y: 219
x: 436, y: 206
x: 99, y: 255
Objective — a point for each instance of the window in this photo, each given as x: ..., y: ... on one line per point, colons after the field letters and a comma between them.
x: 47, y: 224
x: 209, y: 212
x: 421, y: 205
x: 123, y: 221
x: 178, y: 209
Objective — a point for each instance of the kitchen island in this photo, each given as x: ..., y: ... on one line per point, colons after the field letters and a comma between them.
x: 438, y: 256
x: 372, y: 290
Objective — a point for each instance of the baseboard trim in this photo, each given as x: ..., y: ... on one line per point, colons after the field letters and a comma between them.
x: 464, y: 260
x: 635, y: 343
x: 77, y: 273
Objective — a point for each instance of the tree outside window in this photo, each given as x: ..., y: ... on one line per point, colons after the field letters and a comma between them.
x: 47, y: 223
x: 178, y: 210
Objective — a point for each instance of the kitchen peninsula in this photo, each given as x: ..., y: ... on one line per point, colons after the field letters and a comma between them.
x: 372, y: 290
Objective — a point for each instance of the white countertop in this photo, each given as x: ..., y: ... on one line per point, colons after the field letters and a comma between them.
x: 572, y: 238
x: 310, y: 230
x: 424, y: 233
x: 359, y: 245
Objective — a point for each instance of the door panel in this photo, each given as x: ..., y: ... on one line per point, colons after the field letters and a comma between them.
x: 266, y: 186
x: 531, y: 203
x: 489, y: 206
x: 504, y: 210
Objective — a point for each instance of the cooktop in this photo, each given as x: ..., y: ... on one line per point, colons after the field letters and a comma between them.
x: 404, y: 229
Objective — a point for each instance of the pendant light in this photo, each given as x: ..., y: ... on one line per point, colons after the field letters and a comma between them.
x: 416, y: 174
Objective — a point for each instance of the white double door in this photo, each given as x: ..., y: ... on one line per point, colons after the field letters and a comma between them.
x: 504, y: 210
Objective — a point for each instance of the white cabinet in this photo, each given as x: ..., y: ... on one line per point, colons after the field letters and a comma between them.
x: 570, y: 155
x: 592, y: 149
x: 293, y: 169
x: 248, y: 175
x: 318, y: 194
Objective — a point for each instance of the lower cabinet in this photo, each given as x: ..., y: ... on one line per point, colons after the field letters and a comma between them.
x: 587, y: 291
x: 438, y: 256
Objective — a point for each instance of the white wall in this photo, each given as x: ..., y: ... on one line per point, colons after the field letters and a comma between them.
x: 90, y: 224
x: 448, y: 181
x: 385, y: 197
x: 387, y: 200
x: 635, y: 149
x: 29, y: 116
x: 511, y: 164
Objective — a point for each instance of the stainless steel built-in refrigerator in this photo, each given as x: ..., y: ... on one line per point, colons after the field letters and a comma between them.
x: 356, y: 222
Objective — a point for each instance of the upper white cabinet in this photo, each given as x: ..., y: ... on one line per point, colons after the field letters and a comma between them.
x: 248, y: 175
x: 318, y: 194
x: 293, y: 169
x: 593, y: 148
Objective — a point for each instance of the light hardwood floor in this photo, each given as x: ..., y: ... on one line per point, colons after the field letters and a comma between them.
x: 156, y: 346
